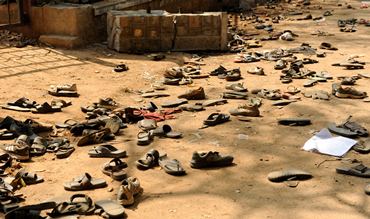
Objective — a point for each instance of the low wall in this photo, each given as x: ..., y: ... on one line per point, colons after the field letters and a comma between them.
x: 138, y: 31
x: 14, y: 14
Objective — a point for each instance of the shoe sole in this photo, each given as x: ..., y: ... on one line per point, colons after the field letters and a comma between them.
x: 341, y: 95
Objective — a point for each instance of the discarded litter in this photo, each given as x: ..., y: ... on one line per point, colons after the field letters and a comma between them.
x: 323, y: 142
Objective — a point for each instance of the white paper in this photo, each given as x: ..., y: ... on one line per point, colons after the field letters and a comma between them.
x: 323, y: 142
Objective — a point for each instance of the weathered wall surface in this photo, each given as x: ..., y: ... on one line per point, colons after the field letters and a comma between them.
x: 14, y: 14
x: 138, y: 31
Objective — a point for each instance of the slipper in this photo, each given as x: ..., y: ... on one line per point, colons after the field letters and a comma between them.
x: 155, y: 95
x: 174, y: 103
x: 341, y: 131
x: 16, y: 108
x: 64, y: 152
x: 23, y: 102
x: 111, y: 208
x: 115, y: 169
x: 209, y: 159
x: 69, y: 123
x: 214, y: 102
x: 79, y: 204
x: 65, y: 90
x: 359, y: 170
x: 29, y: 211
x: 85, y: 182
x: 46, y: 108
x: 171, y: 166
x: 192, y: 107
x: 120, y: 68
x: 150, y: 160
x: 362, y: 147
x: 294, y: 121
x: 234, y: 95
x: 147, y: 124
x: 108, y: 151
x: 236, y: 87
x: 95, y: 137
x: 166, y: 131
x: 288, y: 174
x: 144, y: 138
x: 216, y: 118
x: 327, y: 46
x: 29, y: 178
x: 5, y: 161
x: 355, y: 127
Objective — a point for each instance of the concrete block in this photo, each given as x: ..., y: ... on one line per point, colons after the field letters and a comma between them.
x: 67, y: 42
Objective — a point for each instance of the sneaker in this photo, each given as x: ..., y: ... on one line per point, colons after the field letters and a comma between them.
x: 18, y: 151
x: 257, y: 70
x: 349, y: 92
x: 245, y: 110
x: 210, y: 159
x: 129, y: 189
x: 196, y: 94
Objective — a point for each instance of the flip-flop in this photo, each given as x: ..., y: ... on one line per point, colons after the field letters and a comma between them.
x: 29, y: 211
x: 174, y: 103
x: 144, y: 138
x: 69, y: 123
x: 216, y: 118
x: 288, y: 174
x: 111, y: 208
x: 64, y: 152
x: 166, y: 131
x: 214, y: 102
x: 155, y: 95
x: 359, y: 170
x: 16, y: 108
x: 171, y: 166
x: 147, y: 124
x: 234, y: 95
x: 192, y: 107
x: 294, y: 121
x: 115, y: 169
x: 362, y: 147
x: 95, y: 137
x: 107, y: 150
x: 85, y: 182
x: 341, y: 131
x: 149, y: 160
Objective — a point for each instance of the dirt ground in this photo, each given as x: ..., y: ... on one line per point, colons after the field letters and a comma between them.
x: 239, y: 191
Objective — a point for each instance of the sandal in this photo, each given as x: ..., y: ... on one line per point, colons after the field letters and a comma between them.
x: 166, y: 131
x: 215, y: 119
x: 288, y: 174
x: 359, y: 170
x: 115, y: 169
x: 108, y: 151
x: 29, y: 211
x: 111, y: 208
x: 79, y: 204
x: 94, y: 138
x: 171, y: 166
x: 150, y: 160
x: 85, y: 182
x: 144, y: 138
x: 29, y: 178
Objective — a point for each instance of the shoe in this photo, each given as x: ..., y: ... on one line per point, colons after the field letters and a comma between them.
x: 238, y: 87
x: 280, y: 64
x: 18, y: 151
x: 196, y: 94
x: 233, y: 75
x: 256, y: 70
x: 245, y: 110
x: 210, y: 159
x: 129, y: 188
x: 349, y: 92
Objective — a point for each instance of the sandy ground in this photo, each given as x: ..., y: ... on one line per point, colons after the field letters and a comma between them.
x: 239, y: 191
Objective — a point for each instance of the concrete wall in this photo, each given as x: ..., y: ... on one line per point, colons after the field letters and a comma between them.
x: 137, y: 31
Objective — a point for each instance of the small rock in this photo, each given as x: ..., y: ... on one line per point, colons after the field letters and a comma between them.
x: 237, y: 191
x: 110, y: 189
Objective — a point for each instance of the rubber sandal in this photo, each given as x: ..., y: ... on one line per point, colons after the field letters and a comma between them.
x: 166, y: 131
x: 147, y: 124
x: 294, y: 121
x: 46, y: 108
x: 107, y: 150
x: 85, y: 182
x: 359, y: 170
x: 341, y: 131
x: 115, y: 169
x: 210, y: 159
x: 214, y: 102
x: 120, y: 68
x: 174, y: 103
x: 94, y: 138
x: 155, y: 95
x: 80, y: 204
x: 171, y: 166
x: 362, y: 147
x: 216, y: 118
x: 64, y: 152
x: 5, y: 161
x: 144, y: 138
x: 16, y: 108
x: 236, y: 87
x: 234, y: 95
x: 111, y: 208
x: 69, y: 123
x: 149, y: 160
x: 29, y: 211
x: 288, y: 174
x: 28, y: 177
x: 192, y: 107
